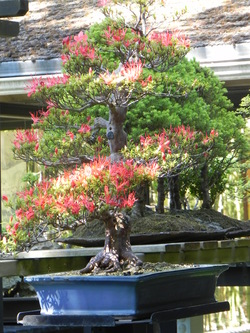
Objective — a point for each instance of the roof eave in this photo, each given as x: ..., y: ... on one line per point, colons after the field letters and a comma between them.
x: 231, y: 63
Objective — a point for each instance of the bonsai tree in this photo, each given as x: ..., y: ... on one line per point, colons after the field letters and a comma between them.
x: 115, y: 64
x: 108, y: 70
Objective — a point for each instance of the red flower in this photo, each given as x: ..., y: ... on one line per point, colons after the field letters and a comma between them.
x: 35, y: 117
x: 66, y: 40
x: 118, y: 35
x: 65, y: 58
x: 30, y: 213
x: 148, y: 79
x: 81, y: 37
x: 71, y: 135
x: 17, y: 144
x: 5, y: 198
x: 213, y: 133
x: 16, y: 225
x: 129, y: 202
x: 75, y: 208
x: 146, y: 141
x: 84, y: 128
x: 206, y: 140
x: 102, y: 3
x: 27, y: 136
x: 109, y: 200
x: 167, y: 39
x: 108, y: 78
x: 132, y: 70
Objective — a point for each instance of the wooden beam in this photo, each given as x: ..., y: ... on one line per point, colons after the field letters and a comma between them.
x: 10, y: 8
x: 9, y: 28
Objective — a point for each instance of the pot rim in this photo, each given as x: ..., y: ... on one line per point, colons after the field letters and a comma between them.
x: 196, y: 269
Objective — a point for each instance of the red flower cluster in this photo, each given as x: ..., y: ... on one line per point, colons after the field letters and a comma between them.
x: 131, y: 72
x: 210, y: 137
x: 23, y: 137
x: 116, y: 35
x: 78, y: 46
x: 102, y: 3
x: 38, y: 84
x: 84, y: 128
x: 94, y: 188
x: 175, y: 139
x: 168, y: 39
x: 38, y: 115
x: 185, y: 132
x: 164, y: 144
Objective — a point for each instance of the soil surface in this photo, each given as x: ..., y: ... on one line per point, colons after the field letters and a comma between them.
x: 184, y: 225
x: 146, y: 268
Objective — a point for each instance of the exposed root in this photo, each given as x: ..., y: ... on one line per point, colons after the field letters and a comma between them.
x: 107, y: 261
x: 129, y: 259
x: 110, y: 262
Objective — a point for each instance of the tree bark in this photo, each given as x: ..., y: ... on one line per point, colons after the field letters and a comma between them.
x: 117, y: 253
x: 142, y: 196
x: 175, y: 201
x: 117, y: 137
x: 160, y: 195
x: 206, y: 199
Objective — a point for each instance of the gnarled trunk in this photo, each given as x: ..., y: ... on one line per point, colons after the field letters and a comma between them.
x: 116, y: 135
x: 117, y: 252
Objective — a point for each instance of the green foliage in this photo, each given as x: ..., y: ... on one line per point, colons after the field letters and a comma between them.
x: 30, y: 178
x: 244, y: 108
x: 203, y: 107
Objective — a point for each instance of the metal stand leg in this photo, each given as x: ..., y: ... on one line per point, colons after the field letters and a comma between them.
x: 87, y: 329
x: 165, y: 327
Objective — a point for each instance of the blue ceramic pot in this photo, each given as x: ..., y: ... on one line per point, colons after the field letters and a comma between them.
x: 135, y: 296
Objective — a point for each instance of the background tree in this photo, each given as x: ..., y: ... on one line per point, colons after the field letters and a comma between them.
x: 204, y: 108
x: 244, y: 107
x: 177, y: 150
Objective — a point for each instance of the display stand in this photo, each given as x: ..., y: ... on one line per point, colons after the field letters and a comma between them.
x: 158, y: 322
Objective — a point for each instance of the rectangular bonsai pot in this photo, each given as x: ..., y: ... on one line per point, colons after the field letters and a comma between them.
x: 130, y: 296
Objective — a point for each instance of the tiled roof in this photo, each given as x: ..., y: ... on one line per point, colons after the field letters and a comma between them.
x: 207, y: 22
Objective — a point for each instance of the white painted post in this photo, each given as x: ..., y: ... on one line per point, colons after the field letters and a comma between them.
x: 1, y: 306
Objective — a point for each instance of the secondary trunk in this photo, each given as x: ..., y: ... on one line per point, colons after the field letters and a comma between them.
x: 117, y: 253
x: 175, y: 201
x: 206, y: 199
x: 161, y: 195
x: 142, y: 196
